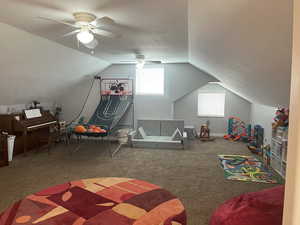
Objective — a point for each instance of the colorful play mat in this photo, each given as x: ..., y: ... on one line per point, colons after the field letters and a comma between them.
x: 246, y: 168
x: 99, y: 201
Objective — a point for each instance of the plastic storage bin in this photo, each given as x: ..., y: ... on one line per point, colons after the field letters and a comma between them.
x: 284, y: 150
x: 276, y: 163
x: 276, y: 148
x: 280, y: 133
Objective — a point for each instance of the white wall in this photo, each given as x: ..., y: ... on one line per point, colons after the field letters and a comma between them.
x: 184, y: 78
x: 73, y: 98
x: 263, y: 115
x: 187, y: 108
x: 18, y: 108
x: 34, y: 68
x: 180, y: 79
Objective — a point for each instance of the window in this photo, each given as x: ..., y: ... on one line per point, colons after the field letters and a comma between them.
x: 150, y: 81
x: 211, y: 104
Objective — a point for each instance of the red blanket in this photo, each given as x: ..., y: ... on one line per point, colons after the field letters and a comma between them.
x: 256, y: 208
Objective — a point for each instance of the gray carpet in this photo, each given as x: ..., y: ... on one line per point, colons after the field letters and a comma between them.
x: 193, y: 175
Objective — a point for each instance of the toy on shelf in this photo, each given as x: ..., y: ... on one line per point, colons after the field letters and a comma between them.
x: 238, y: 130
x: 279, y: 142
x: 281, y: 118
x: 205, y: 132
x: 256, y: 144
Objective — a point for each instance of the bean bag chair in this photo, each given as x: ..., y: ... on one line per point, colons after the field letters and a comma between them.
x: 256, y: 208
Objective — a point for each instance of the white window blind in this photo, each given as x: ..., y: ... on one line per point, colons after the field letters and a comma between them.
x: 150, y: 81
x: 211, y: 104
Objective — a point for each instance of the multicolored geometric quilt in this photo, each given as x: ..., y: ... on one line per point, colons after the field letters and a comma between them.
x: 246, y: 168
x: 99, y: 201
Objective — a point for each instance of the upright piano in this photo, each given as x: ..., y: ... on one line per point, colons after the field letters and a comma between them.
x: 28, y: 122
x: 3, y: 150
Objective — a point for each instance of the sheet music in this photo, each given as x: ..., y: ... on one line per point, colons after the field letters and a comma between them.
x: 33, y: 113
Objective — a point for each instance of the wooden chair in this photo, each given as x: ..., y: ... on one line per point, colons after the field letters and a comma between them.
x: 49, y: 140
x: 204, y: 131
x: 57, y: 134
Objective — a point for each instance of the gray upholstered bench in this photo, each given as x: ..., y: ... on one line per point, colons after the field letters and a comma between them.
x: 159, y: 134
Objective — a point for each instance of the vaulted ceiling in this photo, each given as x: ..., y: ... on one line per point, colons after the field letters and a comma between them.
x: 156, y: 28
x: 33, y: 68
x: 244, y: 43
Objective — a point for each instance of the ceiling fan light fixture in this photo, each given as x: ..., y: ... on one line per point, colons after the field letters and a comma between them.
x: 93, y: 44
x: 85, y: 37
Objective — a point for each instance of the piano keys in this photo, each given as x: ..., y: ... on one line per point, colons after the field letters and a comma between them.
x: 41, y: 125
x: 46, y: 120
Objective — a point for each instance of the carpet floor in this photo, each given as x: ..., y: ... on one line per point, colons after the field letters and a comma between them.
x: 194, y: 175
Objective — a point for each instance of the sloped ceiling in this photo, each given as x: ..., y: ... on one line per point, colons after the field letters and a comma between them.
x: 157, y: 29
x: 34, y: 68
x: 246, y: 44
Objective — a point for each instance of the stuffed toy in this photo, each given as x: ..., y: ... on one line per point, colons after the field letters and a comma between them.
x: 281, y: 118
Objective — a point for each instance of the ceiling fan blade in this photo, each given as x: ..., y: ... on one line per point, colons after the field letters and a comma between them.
x: 104, y: 33
x: 71, y: 33
x: 103, y: 21
x: 129, y: 61
x: 41, y: 5
x: 58, y: 21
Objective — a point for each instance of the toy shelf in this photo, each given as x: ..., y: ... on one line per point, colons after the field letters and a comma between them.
x: 279, y: 150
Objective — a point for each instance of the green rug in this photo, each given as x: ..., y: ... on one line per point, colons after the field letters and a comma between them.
x: 246, y: 168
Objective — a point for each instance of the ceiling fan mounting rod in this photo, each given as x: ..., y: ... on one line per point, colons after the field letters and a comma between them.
x: 84, y: 18
x: 85, y: 28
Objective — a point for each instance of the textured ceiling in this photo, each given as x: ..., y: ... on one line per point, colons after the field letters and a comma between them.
x: 155, y: 28
x: 246, y: 44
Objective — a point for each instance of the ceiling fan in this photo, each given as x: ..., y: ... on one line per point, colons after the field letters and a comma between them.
x: 86, y: 26
x: 140, y: 61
